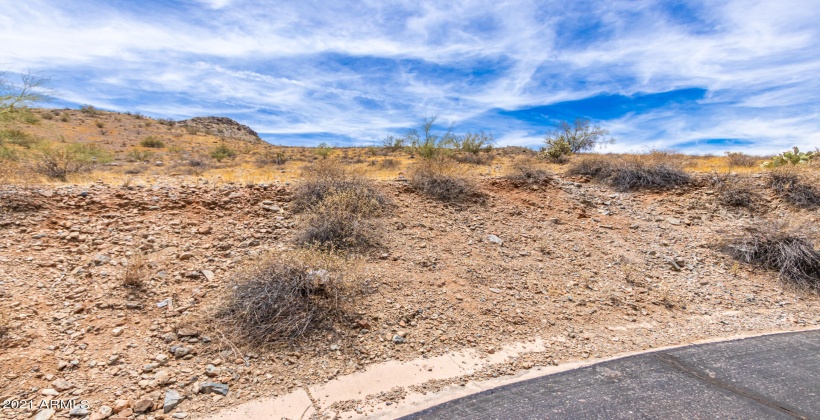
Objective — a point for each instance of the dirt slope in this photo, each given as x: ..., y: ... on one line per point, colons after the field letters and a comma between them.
x: 587, y: 269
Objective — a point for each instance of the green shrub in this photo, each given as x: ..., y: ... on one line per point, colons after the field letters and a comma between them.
x: 557, y: 150
x: 222, y: 152
x: 569, y: 138
x: 272, y: 158
x: 426, y: 142
x: 17, y: 137
x: 393, y: 144
x: 793, y: 157
x: 57, y: 162
x: 152, y: 142
x: 90, y: 152
x: 89, y: 110
x: 136, y: 155
x: 323, y: 150
x: 8, y: 154
x: 475, y: 143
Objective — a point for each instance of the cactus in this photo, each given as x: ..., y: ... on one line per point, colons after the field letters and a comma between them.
x: 792, y: 157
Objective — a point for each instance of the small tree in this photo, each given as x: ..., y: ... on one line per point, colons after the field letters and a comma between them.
x: 475, y: 142
x: 393, y: 144
x: 426, y: 142
x: 32, y: 88
x: 578, y: 136
x: 323, y: 150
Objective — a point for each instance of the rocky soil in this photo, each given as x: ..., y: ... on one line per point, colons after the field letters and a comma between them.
x: 590, y: 271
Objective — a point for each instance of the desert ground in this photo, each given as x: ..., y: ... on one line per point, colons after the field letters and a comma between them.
x: 114, y: 280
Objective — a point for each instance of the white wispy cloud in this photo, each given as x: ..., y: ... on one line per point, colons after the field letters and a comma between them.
x: 362, y: 69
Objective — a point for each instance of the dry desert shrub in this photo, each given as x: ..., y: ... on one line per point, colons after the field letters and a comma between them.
x: 279, y: 298
x: 636, y: 176
x: 340, y: 207
x: 339, y: 221
x: 657, y: 171
x: 738, y: 191
x: 328, y: 177
x: 596, y: 167
x: 473, y: 158
x: 388, y: 163
x: 793, y: 189
x: 136, y: 270
x: 775, y: 246
x: 528, y: 170
x: 438, y: 178
x: 152, y: 142
x: 5, y: 326
x: 739, y: 159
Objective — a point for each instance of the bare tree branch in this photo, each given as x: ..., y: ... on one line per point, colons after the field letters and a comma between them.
x: 31, y: 89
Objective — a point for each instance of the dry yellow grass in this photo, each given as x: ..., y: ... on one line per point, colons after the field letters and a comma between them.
x: 121, y: 134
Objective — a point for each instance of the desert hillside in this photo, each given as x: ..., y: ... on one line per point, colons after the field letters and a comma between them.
x: 122, y: 276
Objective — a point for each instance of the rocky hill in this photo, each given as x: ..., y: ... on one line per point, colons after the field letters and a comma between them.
x: 222, y: 127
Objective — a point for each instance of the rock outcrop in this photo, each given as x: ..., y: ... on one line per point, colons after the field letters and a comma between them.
x: 222, y: 127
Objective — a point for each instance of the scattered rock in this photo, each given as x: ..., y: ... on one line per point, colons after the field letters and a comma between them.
x: 78, y: 412
x: 45, y: 414
x: 214, y: 388
x: 162, y: 377
x: 495, y: 239
x: 172, y: 400
x: 104, y: 412
x: 62, y: 385
x: 120, y: 405
x: 180, y: 351
x: 143, y: 406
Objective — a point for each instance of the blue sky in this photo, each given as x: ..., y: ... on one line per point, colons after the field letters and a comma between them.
x: 698, y: 76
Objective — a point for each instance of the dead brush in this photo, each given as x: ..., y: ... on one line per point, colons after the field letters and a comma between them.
x: 596, y: 167
x: 790, y: 187
x: 326, y: 178
x: 339, y: 221
x: 136, y: 270
x: 280, y: 298
x: 437, y: 178
x: 528, y: 170
x: 637, y: 175
x: 736, y: 191
x: 739, y: 159
x: 388, y: 163
x: 775, y: 246
x: 656, y: 171
x: 5, y: 326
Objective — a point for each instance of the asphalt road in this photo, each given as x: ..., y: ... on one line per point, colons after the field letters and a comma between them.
x: 768, y: 377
